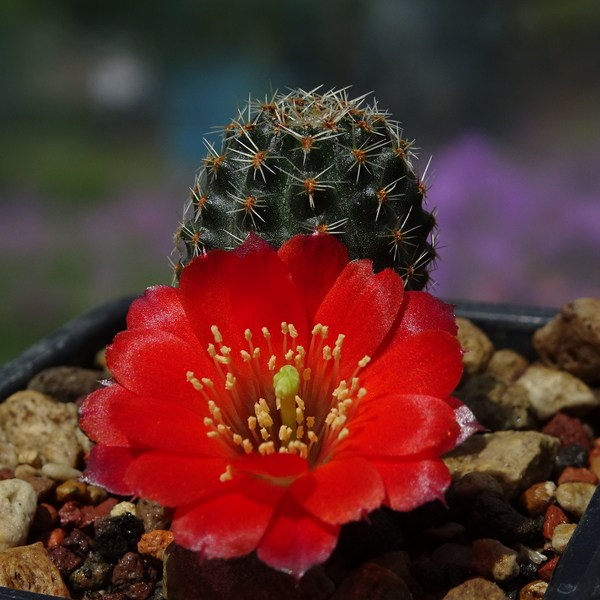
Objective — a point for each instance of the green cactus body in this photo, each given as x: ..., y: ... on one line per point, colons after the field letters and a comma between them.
x: 306, y: 162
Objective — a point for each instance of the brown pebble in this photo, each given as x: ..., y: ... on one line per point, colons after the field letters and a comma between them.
x: 595, y: 465
x: 546, y: 570
x: 78, y: 543
x: 45, y: 519
x: 372, y: 582
x: 89, y: 514
x: 572, y: 474
x: 70, y: 514
x: 153, y: 543
x: 534, y: 590
x: 96, y: 495
x: 153, y: 515
x: 6, y: 474
x: 554, y: 516
x: 66, y: 562
x: 568, y: 430
x: 66, y: 384
x: 476, y: 589
x: 56, y: 537
x: 71, y: 489
x: 43, y: 486
x: 536, y: 499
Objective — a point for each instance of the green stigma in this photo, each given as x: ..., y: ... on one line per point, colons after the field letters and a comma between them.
x: 286, y: 383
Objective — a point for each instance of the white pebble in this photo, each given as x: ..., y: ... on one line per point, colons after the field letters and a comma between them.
x: 561, y: 536
x: 18, y: 503
x: 60, y: 472
x: 122, y: 508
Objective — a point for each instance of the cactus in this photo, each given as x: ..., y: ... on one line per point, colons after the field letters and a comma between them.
x: 305, y: 162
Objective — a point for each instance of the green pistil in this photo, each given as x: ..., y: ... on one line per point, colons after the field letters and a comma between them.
x: 286, y: 383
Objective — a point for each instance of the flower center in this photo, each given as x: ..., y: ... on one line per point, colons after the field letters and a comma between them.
x: 293, y: 401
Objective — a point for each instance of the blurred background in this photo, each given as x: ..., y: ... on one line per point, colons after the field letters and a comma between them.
x: 104, y: 105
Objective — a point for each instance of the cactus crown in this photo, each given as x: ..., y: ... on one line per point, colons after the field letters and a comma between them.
x: 303, y: 162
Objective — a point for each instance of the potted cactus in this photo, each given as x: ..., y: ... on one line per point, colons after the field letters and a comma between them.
x: 308, y: 222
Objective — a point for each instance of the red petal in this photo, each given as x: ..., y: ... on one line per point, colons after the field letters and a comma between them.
x: 241, y: 293
x: 156, y: 363
x: 160, y: 308
x: 400, y: 426
x: 175, y: 480
x: 94, y: 415
x: 411, y: 483
x: 315, y: 262
x: 252, y: 243
x: 231, y: 524
x: 273, y: 466
x: 421, y: 312
x: 106, y: 468
x: 427, y: 363
x: 295, y: 540
x: 340, y: 491
x: 465, y: 418
x: 362, y: 306
x: 161, y: 425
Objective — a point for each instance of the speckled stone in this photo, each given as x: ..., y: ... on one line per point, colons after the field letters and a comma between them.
x: 478, y: 346
x: 18, y: 505
x: 536, y: 499
x: 29, y: 568
x: 551, y: 391
x: 517, y: 459
x: 496, y: 404
x: 554, y: 516
x: 507, y: 365
x: 66, y: 384
x: 477, y: 588
x: 574, y: 497
x: 534, y: 590
x: 561, y: 536
x: 571, y: 341
x: 493, y: 560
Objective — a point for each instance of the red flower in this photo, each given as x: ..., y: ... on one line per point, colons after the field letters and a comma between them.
x: 274, y: 396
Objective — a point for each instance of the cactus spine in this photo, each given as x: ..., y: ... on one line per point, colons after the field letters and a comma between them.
x: 304, y: 162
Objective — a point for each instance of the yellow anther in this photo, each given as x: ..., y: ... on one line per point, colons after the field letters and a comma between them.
x: 227, y: 475
x: 248, y: 335
x: 289, y: 355
x: 225, y: 350
x: 299, y: 402
x: 256, y: 352
x: 211, y: 350
x: 284, y: 327
x: 245, y: 355
x: 361, y: 393
x: 194, y: 381
x: 316, y: 330
x: 230, y: 381
x: 343, y: 433
x: 208, y: 422
x: 271, y: 363
x: 283, y: 450
x: 324, y: 331
x: 216, y: 334
x: 326, y: 353
x: 313, y: 437
x: 207, y: 382
x: 285, y: 433
x: 293, y: 331
x: 299, y: 432
x: 212, y: 434
x: 364, y: 361
x: 306, y: 374
x: 310, y: 422
x: 265, y: 434
x: 222, y: 428
x: 340, y: 340
x: 266, y: 333
x: 247, y: 446
x: 299, y: 416
x: 264, y: 419
x: 237, y: 438
x: 266, y: 448
x: 252, y: 423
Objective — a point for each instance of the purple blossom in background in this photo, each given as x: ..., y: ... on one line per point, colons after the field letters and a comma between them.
x: 513, y: 231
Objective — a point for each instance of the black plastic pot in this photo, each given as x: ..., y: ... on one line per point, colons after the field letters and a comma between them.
x: 577, y: 576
